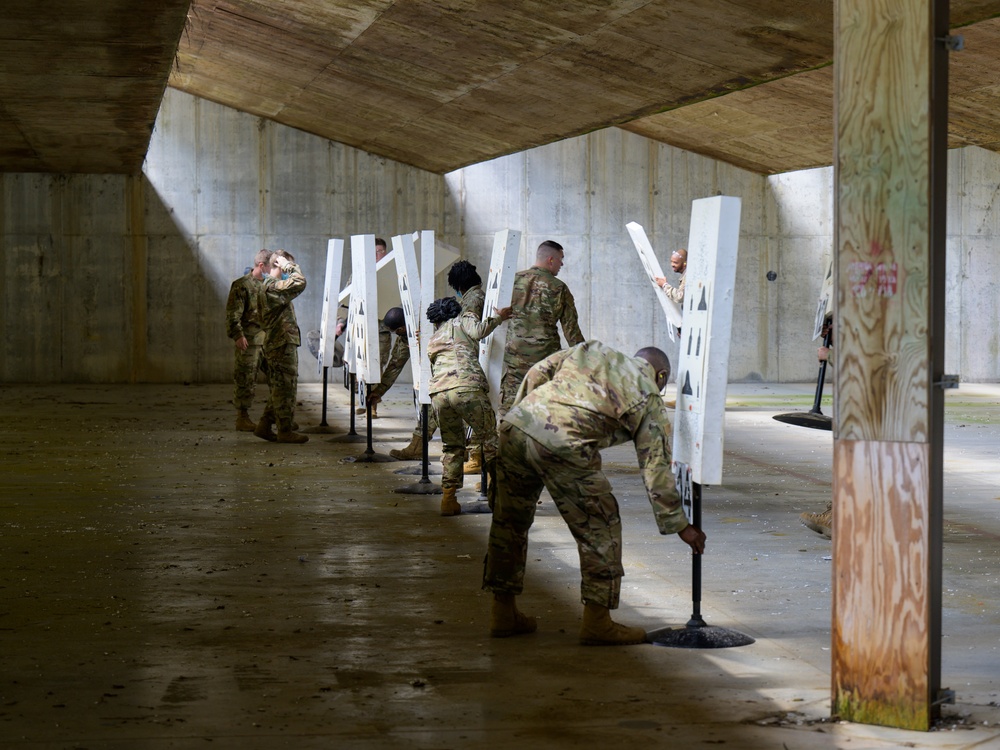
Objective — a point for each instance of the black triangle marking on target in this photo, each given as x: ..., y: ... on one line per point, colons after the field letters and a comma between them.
x: 686, y: 390
x: 703, y: 305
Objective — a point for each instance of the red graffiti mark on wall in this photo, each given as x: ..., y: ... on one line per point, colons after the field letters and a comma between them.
x: 876, y: 248
x: 859, y: 273
x: 887, y: 276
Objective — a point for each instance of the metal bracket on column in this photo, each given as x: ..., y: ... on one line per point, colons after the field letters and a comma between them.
x: 947, y: 381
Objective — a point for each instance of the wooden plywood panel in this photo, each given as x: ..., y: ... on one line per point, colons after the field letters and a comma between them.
x: 881, y: 597
x: 883, y: 213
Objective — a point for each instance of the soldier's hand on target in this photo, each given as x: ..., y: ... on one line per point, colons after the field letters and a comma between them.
x: 693, y: 537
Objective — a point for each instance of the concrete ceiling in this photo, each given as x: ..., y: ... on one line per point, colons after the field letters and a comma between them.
x: 81, y: 81
x: 441, y: 84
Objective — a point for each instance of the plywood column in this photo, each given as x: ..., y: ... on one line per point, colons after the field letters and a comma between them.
x: 891, y: 121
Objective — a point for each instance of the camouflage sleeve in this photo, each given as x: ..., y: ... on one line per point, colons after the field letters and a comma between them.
x: 477, y: 329
x: 569, y: 321
x: 397, y: 361
x: 650, y: 429
x: 676, y: 293
x: 235, y: 306
x: 290, y: 288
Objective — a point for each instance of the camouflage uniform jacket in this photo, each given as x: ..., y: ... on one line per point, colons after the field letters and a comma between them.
x: 474, y: 299
x: 277, y: 315
x: 540, y: 301
x: 398, y: 358
x: 676, y: 293
x: 454, y: 353
x: 241, y: 310
x: 590, y: 397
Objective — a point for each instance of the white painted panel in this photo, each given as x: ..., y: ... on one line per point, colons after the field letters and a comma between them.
x: 331, y: 303
x: 704, y: 351
x: 427, y: 266
x: 651, y: 265
x: 499, y: 289
x: 365, y: 306
x: 408, y: 278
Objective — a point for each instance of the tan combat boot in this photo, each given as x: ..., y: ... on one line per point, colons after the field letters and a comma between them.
x: 263, y: 429
x: 412, y: 452
x: 506, y: 619
x: 475, y: 463
x: 821, y: 523
x: 244, y: 423
x: 449, y: 505
x: 599, y: 629
x: 291, y: 437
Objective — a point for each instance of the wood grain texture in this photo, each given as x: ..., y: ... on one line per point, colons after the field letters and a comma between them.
x: 881, y: 598
x: 883, y: 220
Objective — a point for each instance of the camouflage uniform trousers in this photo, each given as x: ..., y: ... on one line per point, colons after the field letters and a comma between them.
x: 246, y: 363
x: 513, y: 374
x: 583, y: 496
x: 453, y: 407
x: 432, y: 425
x: 384, y: 345
x: 283, y: 374
x: 510, y: 381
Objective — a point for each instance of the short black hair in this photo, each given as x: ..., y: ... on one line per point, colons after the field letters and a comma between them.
x: 656, y: 357
x: 441, y: 310
x: 463, y: 275
x: 394, y: 318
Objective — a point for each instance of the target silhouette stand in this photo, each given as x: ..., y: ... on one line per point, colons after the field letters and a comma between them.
x: 352, y: 435
x: 369, y: 456
x: 323, y: 428
x: 424, y: 486
x: 697, y: 633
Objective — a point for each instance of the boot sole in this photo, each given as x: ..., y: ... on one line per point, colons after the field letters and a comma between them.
x: 270, y: 438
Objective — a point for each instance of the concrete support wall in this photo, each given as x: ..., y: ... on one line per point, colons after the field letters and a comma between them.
x: 583, y: 191
x: 116, y: 279
x: 119, y: 279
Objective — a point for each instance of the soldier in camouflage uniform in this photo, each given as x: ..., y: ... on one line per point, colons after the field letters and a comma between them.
x: 540, y: 301
x: 465, y: 280
x: 459, y: 391
x: 570, y: 406
x: 678, y: 264
x: 243, y: 327
x: 468, y: 285
x: 281, y: 347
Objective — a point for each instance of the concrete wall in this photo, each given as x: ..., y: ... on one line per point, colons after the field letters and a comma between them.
x: 117, y: 279
x: 581, y: 192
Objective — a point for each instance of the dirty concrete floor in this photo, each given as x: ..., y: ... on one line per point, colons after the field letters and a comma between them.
x: 166, y: 582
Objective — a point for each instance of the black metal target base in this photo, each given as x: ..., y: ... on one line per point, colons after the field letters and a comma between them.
x: 321, y: 429
x: 348, y: 438
x: 420, y: 488
x: 806, y: 419
x: 418, y: 470
x: 698, y: 636
x: 369, y: 458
